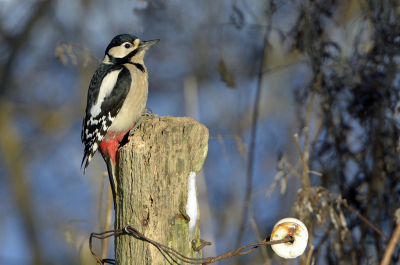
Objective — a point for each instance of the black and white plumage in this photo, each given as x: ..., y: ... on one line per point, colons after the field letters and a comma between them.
x: 107, y: 92
x: 116, y: 99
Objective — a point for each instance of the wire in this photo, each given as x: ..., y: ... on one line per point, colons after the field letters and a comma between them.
x: 130, y: 230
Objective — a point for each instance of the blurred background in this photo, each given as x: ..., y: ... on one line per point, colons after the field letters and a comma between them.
x: 255, y: 73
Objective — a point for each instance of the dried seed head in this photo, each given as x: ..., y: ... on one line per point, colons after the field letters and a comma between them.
x: 294, y: 228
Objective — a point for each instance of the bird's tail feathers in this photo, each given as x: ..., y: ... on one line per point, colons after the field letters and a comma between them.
x: 111, y: 168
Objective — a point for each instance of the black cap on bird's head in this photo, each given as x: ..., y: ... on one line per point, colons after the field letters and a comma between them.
x: 119, y: 39
x: 124, y: 38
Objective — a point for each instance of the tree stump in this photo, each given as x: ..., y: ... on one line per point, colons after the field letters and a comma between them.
x: 157, y: 170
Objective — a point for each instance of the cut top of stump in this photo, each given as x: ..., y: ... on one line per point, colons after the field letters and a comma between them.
x: 154, y: 133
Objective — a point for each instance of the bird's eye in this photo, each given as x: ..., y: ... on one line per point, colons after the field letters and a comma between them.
x: 127, y: 45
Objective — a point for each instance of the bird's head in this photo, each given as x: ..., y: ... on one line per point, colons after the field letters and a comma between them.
x: 126, y: 48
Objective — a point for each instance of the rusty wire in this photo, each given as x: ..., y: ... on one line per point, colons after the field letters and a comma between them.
x: 129, y: 229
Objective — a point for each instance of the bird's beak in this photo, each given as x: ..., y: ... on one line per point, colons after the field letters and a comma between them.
x: 147, y: 44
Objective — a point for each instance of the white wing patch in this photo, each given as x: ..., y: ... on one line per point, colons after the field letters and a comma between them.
x: 106, y: 88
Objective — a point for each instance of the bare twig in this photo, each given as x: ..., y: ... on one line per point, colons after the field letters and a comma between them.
x: 305, y: 182
x: 365, y: 220
x: 309, y: 255
x: 393, y: 243
x: 68, y: 48
x: 284, y: 66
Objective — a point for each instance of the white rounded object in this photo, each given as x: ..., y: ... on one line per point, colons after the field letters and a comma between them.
x: 290, y: 227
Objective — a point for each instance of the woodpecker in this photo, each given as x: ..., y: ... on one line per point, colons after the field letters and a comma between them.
x: 116, y: 101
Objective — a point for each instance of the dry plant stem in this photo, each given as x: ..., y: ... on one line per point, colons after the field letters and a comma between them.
x: 97, y: 59
x: 224, y: 152
x: 394, y: 241
x: 309, y: 255
x: 309, y: 109
x: 344, y: 203
x: 296, y: 137
x: 281, y: 67
x: 316, y: 136
x: 315, y: 173
x: 305, y: 180
x: 107, y: 222
x: 293, y: 169
x: 366, y: 221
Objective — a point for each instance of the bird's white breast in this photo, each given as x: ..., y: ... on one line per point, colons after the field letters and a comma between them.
x: 135, y: 102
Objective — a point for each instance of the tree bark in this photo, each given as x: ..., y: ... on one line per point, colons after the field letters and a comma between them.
x: 154, y: 170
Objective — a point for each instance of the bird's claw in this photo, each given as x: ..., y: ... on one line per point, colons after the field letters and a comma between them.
x: 147, y: 111
x: 145, y: 116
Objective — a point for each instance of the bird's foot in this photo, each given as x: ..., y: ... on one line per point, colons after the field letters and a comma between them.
x: 147, y: 111
x: 147, y: 114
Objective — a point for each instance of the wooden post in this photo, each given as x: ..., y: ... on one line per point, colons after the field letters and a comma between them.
x: 154, y: 170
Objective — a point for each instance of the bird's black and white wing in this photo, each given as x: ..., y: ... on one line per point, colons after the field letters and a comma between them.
x: 107, y: 91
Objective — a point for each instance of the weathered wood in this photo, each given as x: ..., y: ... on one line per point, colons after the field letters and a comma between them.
x: 154, y: 167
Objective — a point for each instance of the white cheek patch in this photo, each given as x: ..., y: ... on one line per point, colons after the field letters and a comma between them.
x: 106, y: 88
x: 120, y: 51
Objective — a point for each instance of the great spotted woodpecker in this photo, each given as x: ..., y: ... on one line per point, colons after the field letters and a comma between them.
x: 116, y: 100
